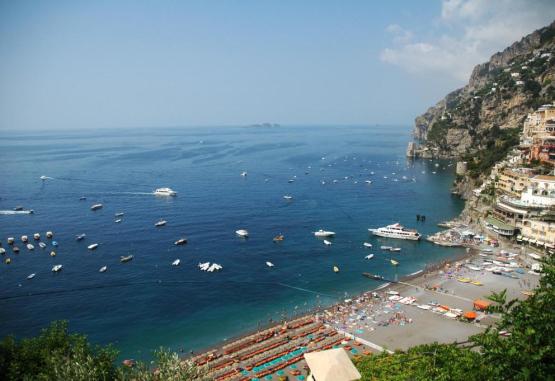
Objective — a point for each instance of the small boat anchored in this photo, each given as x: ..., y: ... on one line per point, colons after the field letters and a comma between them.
x: 176, y: 262
x: 103, y: 269
x: 96, y: 207
x: 80, y: 237
x: 269, y: 264
x: 279, y: 238
x: 160, y: 223
x: 327, y: 243
x: 181, y: 241
x: 57, y: 268
x: 369, y: 256
x: 335, y: 269
x: 287, y: 197
x: 126, y: 258
x: 93, y: 246
x: 31, y: 276
x: 243, y: 233
x: 367, y: 244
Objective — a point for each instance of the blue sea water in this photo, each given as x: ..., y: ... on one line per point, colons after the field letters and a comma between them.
x: 147, y: 303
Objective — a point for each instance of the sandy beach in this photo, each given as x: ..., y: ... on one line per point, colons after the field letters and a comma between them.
x: 420, y: 309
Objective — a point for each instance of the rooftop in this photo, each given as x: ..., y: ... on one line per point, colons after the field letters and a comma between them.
x: 331, y: 365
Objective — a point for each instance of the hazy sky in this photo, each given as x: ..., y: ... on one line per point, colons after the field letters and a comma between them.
x: 88, y: 64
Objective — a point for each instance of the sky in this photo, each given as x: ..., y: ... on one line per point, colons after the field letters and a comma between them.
x: 113, y: 64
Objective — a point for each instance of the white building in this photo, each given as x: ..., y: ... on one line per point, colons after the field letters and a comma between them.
x: 541, y: 191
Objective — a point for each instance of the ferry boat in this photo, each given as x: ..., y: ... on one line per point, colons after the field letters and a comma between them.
x: 396, y: 231
x: 165, y: 192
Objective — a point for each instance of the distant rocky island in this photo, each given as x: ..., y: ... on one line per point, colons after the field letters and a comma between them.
x: 264, y: 125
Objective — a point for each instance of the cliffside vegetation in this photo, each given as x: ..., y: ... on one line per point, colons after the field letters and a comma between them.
x: 500, y: 93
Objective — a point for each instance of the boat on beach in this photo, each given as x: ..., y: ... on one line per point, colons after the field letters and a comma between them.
x: 165, y: 192
x: 397, y: 231
x: 126, y: 258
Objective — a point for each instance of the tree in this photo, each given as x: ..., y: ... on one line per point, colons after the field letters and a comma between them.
x: 528, y: 353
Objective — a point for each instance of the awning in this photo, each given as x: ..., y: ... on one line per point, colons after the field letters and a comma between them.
x: 525, y: 239
x: 470, y: 315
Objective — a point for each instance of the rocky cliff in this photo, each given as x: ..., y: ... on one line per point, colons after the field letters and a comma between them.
x: 499, y: 95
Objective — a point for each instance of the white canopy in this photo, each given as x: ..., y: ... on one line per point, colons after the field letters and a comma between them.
x: 331, y: 365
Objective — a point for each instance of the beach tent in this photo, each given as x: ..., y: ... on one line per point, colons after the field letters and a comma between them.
x: 481, y: 305
x: 331, y: 365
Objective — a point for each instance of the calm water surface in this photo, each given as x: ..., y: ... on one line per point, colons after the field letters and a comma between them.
x: 148, y: 303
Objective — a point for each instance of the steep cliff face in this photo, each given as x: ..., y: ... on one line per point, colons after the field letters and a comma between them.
x: 500, y: 93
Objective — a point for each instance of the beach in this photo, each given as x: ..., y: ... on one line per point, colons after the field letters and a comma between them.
x: 426, y: 308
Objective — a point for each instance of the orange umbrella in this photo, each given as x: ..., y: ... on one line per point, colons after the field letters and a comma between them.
x: 470, y: 315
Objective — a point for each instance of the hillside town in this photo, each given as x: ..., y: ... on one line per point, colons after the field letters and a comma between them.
x: 517, y: 200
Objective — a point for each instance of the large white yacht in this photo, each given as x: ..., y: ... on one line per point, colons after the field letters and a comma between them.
x: 165, y: 192
x: 396, y: 231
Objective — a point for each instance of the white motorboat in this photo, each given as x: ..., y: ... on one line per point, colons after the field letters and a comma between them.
x: 93, y: 246
x: 118, y: 221
x: 369, y: 256
x: 2, y: 251
x: 327, y: 243
x: 24, y: 238
x: 242, y: 233
x: 42, y: 245
x: 214, y: 267
x: 160, y: 223
x: 57, y: 268
x: 11, y: 240
x: 367, y: 244
x: 396, y: 231
x: 386, y: 248
x: 269, y: 264
x: 287, y: 197
x: 165, y: 192
x: 181, y: 241
x: 36, y: 236
x: 31, y: 276
x: 120, y: 214
x: 80, y: 237
x: 204, y: 266
x: 96, y: 207
x: 324, y: 233
x: 176, y: 262
x: 49, y: 234
x: 368, y: 181
x: 103, y: 269
x: 244, y: 174
x: 30, y: 247
x: 395, y: 249
x: 127, y: 258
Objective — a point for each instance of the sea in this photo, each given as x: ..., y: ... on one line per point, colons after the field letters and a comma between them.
x: 147, y: 303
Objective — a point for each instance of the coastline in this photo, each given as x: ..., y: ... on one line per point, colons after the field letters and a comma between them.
x: 418, y: 276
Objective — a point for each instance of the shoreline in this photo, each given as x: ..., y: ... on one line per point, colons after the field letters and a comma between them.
x: 419, y: 275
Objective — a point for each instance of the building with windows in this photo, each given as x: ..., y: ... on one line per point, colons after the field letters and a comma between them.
x: 540, y: 192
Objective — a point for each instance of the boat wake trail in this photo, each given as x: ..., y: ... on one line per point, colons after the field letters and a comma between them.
x: 304, y: 289
x: 14, y: 212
